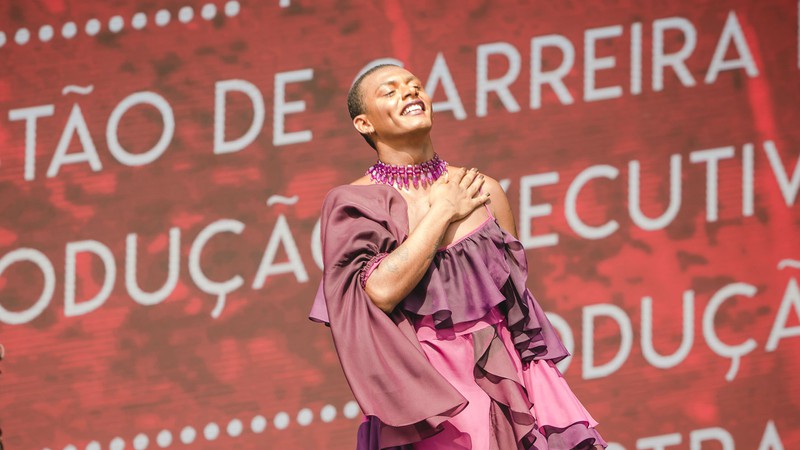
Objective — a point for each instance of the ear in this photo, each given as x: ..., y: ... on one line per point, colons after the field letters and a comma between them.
x: 362, y: 124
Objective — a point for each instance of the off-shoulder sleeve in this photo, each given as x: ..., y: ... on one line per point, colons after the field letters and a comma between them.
x: 403, y: 396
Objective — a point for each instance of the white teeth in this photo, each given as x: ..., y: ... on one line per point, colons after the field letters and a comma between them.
x: 410, y: 108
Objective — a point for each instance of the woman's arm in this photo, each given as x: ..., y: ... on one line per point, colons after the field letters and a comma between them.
x: 452, y: 197
x: 500, y: 207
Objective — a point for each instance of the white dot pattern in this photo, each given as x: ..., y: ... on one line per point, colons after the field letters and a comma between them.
x: 45, y: 33
x: 209, y: 11
x: 22, y: 36
x: 92, y: 27
x: 117, y: 444
x: 69, y: 30
x: 163, y: 17
x: 211, y: 431
x: 117, y: 23
x: 139, y: 21
x: 164, y: 439
x: 235, y: 428
x: 351, y: 410
x: 258, y: 424
x: 232, y: 8
x: 281, y: 420
x: 188, y: 435
x: 141, y: 441
x: 186, y: 14
x: 304, y: 417
x: 327, y: 413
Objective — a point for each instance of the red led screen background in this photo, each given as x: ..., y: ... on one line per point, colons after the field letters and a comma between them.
x: 162, y: 167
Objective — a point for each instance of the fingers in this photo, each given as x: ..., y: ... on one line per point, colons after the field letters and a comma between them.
x: 477, y: 184
x: 468, y: 178
x: 483, y: 198
x: 455, y: 176
x: 476, y: 202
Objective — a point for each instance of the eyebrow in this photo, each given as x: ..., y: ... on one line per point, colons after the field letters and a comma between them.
x: 393, y: 82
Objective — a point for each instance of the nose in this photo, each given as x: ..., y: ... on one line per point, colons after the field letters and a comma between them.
x: 409, y: 91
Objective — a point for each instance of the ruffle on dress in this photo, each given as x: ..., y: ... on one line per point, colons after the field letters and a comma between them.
x: 484, y: 270
x: 529, y: 406
x: 511, y: 358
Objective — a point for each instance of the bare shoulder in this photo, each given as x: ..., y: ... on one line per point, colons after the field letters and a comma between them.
x: 489, y: 185
x: 493, y: 187
x: 498, y: 202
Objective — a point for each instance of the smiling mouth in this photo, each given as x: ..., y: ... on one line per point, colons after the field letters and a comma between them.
x: 413, y: 107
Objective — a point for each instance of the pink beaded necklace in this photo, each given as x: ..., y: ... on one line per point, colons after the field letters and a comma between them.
x: 418, y: 175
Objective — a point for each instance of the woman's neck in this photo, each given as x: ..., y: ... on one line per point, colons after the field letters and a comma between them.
x: 407, y: 154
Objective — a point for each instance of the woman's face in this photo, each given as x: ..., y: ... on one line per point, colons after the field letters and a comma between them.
x: 396, y: 105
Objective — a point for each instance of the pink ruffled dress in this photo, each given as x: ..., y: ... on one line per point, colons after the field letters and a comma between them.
x: 471, y: 320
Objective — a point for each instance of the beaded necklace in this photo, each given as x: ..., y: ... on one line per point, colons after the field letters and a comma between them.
x: 417, y: 175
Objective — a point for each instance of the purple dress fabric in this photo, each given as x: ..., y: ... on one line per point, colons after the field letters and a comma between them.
x: 404, y: 397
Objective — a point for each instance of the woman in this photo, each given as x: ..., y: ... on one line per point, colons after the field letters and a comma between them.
x: 424, y: 291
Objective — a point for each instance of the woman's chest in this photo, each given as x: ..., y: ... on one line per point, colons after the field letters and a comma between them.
x: 419, y: 206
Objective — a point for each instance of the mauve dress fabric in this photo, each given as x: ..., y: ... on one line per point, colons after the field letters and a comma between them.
x: 466, y: 361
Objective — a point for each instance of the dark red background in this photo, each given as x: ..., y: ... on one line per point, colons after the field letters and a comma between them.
x: 124, y: 369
